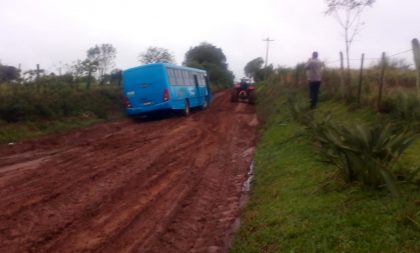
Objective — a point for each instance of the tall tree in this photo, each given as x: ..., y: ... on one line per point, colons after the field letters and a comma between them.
x: 33, y: 74
x: 207, y: 56
x: 156, y: 55
x: 8, y: 73
x: 77, y: 70
x: 254, y: 68
x: 348, y: 15
x: 89, y: 67
x: 104, y: 56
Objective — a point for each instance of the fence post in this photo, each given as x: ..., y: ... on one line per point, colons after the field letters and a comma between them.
x: 381, y: 81
x: 416, y: 52
x: 297, y: 76
x: 342, y: 84
x: 359, y: 91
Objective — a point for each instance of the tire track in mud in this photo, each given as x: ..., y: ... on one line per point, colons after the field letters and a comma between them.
x: 159, y: 186
x: 87, y: 195
x: 120, y: 199
x: 220, y: 178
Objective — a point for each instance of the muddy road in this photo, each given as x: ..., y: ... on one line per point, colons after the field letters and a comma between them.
x: 169, y: 185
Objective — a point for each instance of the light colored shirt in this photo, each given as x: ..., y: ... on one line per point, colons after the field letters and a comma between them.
x: 313, y: 70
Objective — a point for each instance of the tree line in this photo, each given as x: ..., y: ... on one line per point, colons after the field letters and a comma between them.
x: 99, y: 66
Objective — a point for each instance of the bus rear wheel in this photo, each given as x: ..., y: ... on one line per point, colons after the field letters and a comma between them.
x: 186, y: 111
x: 205, y: 104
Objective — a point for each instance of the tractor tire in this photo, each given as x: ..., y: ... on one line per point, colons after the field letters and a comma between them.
x: 252, y: 98
x: 234, y: 97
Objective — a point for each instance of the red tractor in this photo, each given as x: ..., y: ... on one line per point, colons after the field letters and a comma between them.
x: 243, y: 91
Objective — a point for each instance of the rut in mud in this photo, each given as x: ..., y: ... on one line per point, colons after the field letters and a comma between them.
x: 171, y: 185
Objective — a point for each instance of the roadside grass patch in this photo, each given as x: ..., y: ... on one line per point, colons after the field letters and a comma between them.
x: 14, y: 132
x: 28, y: 113
x: 299, y: 204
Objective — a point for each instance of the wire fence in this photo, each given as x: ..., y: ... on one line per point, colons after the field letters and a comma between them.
x: 372, y: 80
x: 373, y: 59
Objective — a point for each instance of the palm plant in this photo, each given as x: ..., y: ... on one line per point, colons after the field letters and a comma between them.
x: 364, y: 153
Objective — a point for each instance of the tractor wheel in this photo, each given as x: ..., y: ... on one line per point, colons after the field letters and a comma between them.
x: 252, y: 98
x: 234, y: 97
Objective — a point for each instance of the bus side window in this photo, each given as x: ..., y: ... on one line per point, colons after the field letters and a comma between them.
x: 178, y: 77
x: 185, y: 77
x: 171, y: 76
x: 202, y: 82
x: 190, y: 78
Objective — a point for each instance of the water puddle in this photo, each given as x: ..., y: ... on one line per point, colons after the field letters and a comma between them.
x: 246, y: 188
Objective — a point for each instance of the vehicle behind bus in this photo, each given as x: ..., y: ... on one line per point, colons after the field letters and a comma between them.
x: 156, y: 87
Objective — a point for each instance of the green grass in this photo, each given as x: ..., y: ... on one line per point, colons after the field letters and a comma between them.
x: 28, y: 113
x: 14, y: 132
x: 299, y: 204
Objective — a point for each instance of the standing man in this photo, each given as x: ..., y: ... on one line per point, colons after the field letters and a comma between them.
x: 313, y: 68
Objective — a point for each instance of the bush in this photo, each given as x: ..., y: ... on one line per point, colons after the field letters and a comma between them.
x: 365, y: 153
x: 268, y: 96
x: 404, y: 106
x: 361, y: 153
x: 58, y: 101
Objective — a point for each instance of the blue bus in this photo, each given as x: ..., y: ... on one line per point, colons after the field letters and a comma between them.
x: 156, y: 87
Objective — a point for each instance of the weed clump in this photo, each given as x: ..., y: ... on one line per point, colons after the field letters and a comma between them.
x: 365, y: 153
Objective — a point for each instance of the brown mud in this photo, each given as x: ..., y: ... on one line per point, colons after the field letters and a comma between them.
x: 169, y: 185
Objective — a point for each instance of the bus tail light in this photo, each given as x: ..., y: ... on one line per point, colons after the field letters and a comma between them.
x: 127, y: 103
x: 165, y: 95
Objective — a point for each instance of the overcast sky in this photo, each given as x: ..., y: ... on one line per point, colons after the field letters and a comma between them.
x: 53, y: 31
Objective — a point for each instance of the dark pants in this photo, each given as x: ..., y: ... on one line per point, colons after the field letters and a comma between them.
x: 313, y: 93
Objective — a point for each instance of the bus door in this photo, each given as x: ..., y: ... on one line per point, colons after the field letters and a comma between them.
x: 209, y: 95
x: 197, y: 88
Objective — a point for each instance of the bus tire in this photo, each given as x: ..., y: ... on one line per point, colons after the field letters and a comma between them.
x: 186, y: 111
x: 205, y: 104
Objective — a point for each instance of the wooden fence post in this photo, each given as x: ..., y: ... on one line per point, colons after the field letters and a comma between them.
x: 416, y: 52
x: 359, y: 91
x: 297, y: 81
x: 381, y: 81
x: 342, y: 84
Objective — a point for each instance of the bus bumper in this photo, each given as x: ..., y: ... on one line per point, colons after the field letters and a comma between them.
x: 148, y: 109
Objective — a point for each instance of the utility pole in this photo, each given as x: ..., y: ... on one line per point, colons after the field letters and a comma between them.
x: 268, y: 40
x: 38, y: 71
x: 416, y: 51
x: 60, y: 66
x: 38, y: 85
